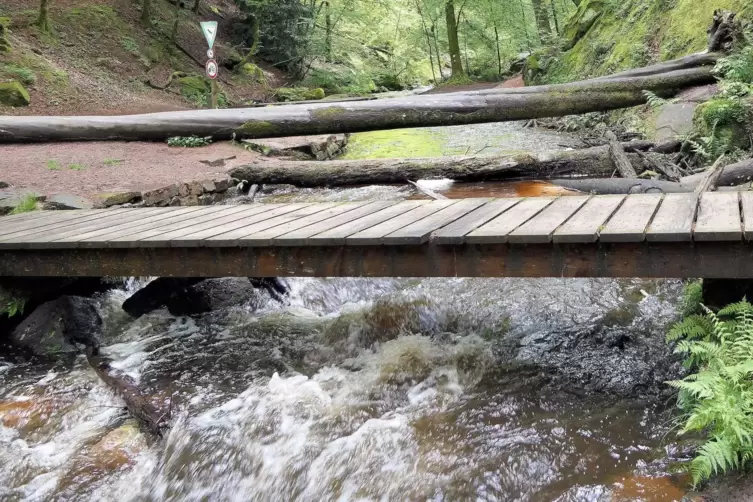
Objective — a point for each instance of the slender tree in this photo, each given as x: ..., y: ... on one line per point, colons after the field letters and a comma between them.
x: 43, y: 21
x: 456, y: 61
x: 146, y: 13
x: 542, y: 19
x: 554, y: 15
x: 196, y: 6
x: 499, y: 54
x: 428, y: 42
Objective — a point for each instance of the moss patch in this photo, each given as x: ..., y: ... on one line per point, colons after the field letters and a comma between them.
x: 257, y: 129
x: 13, y: 94
x: 394, y: 144
x: 299, y: 93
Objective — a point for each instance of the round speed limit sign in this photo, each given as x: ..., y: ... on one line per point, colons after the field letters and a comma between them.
x: 212, y: 68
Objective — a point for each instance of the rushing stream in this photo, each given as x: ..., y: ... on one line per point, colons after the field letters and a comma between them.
x: 360, y: 390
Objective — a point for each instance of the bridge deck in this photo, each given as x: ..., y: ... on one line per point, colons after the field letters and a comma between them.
x: 655, y: 235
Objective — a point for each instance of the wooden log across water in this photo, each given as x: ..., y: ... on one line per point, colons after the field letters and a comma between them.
x: 323, y: 118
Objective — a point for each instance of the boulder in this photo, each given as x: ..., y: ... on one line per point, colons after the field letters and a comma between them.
x: 673, y: 121
x: 67, y: 201
x: 190, y: 296
x: 582, y: 20
x: 299, y: 93
x: 13, y: 94
x: 55, y: 327
x: 107, y: 199
x: 3, y: 185
x: 160, y: 196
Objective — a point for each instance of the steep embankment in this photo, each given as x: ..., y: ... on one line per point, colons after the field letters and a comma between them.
x: 98, y: 58
x: 606, y: 36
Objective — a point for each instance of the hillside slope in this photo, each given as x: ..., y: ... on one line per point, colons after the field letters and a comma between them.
x: 621, y: 34
x: 97, y: 59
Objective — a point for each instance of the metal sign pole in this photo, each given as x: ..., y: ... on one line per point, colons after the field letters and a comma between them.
x: 209, y: 28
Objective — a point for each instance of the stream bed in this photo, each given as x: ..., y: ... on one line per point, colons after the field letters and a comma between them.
x: 365, y: 389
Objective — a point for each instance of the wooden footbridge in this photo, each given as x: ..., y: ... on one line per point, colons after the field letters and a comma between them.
x: 647, y: 235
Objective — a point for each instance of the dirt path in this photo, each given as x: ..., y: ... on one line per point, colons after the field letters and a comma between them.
x: 88, y: 168
x: 516, y: 81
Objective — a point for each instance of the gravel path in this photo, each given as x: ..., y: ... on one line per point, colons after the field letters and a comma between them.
x: 89, y: 168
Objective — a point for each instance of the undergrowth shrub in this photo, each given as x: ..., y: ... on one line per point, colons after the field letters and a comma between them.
x: 717, y: 399
x: 188, y: 141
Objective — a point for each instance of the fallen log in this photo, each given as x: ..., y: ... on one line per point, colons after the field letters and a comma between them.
x: 323, y: 118
x: 149, y: 417
x: 590, y: 161
x: 620, y: 186
x: 691, y: 61
x: 619, y: 157
x: 731, y: 175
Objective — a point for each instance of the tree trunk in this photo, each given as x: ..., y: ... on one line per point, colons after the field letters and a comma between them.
x: 436, y: 51
x: 146, y: 13
x: 499, y: 54
x: 174, y: 32
x: 43, y: 21
x: 324, y: 118
x: 603, y: 186
x: 554, y: 16
x: 620, y: 158
x: 542, y: 19
x: 327, y: 32
x: 732, y: 175
x: 456, y: 62
x: 525, y: 24
x: 196, y: 6
x: 591, y: 162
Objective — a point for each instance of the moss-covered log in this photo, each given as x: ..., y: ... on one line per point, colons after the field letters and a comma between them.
x: 590, y: 162
x: 413, y: 111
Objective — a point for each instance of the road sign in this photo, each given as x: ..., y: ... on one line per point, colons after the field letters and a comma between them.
x: 209, y: 28
x: 210, y: 54
x: 212, y: 68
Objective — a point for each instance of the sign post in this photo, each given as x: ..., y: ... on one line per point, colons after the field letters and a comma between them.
x: 209, y: 29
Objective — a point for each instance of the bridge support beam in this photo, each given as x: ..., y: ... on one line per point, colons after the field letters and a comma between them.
x: 721, y: 260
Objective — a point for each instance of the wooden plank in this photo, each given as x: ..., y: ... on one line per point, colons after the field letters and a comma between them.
x: 540, y: 228
x: 373, y: 235
x: 48, y: 240
x: 718, y: 217
x: 45, y: 222
x: 585, y: 224
x: 420, y: 231
x: 455, y: 232
x: 673, y: 221
x: 137, y: 238
x: 747, y: 204
x: 187, y: 236
x: 496, y: 230
x: 15, y: 239
x: 264, y: 237
x: 337, y: 235
x: 300, y: 236
x: 289, y: 212
x: 630, y: 221
x: 95, y: 238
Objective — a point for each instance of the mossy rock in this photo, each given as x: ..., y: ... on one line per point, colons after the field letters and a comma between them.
x: 728, y: 119
x: 299, y: 93
x: 193, y: 85
x: 580, y: 22
x: 13, y: 94
x: 4, y: 29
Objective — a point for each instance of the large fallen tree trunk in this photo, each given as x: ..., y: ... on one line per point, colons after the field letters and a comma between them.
x: 322, y: 118
x: 590, y: 162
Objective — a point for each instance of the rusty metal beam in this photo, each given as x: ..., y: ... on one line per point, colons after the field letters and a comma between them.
x: 679, y: 260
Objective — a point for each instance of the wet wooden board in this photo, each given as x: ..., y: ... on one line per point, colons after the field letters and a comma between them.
x: 136, y: 239
x: 419, y: 232
x: 265, y: 237
x: 270, y: 212
x: 629, y: 222
x: 47, y: 222
x: 673, y: 221
x: 496, y: 230
x: 301, y: 236
x: 337, y: 235
x: 746, y: 198
x: 539, y: 229
x: 455, y: 232
x: 718, y: 217
x: 185, y: 236
x: 585, y: 225
x: 290, y: 212
x: 99, y: 238
x: 374, y: 235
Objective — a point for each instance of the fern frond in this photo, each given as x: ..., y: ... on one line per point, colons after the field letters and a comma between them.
x: 694, y: 327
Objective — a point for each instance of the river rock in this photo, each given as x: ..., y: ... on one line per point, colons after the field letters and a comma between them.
x: 582, y: 20
x: 3, y: 185
x: 67, y: 201
x: 212, y: 294
x: 156, y: 294
x: 673, y: 121
x: 55, y: 327
x: 160, y: 196
x: 107, y: 199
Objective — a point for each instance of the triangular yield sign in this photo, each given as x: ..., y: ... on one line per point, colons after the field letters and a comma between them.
x: 209, y: 28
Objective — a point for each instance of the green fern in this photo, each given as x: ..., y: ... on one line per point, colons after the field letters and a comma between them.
x: 656, y: 101
x: 718, y: 397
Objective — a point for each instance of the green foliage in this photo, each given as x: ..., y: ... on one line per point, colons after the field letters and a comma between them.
x: 53, y: 165
x: 25, y: 75
x: 737, y: 67
x: 76, y: 167
x: 656, y: 101
x: 11, y: 303
x: 112, y: 162
x: 299, y: 93
x: 27, y: 204
x: 692, y: 296
x: 130, y: 45
x: 717, y: 400
x: 188, y: 141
